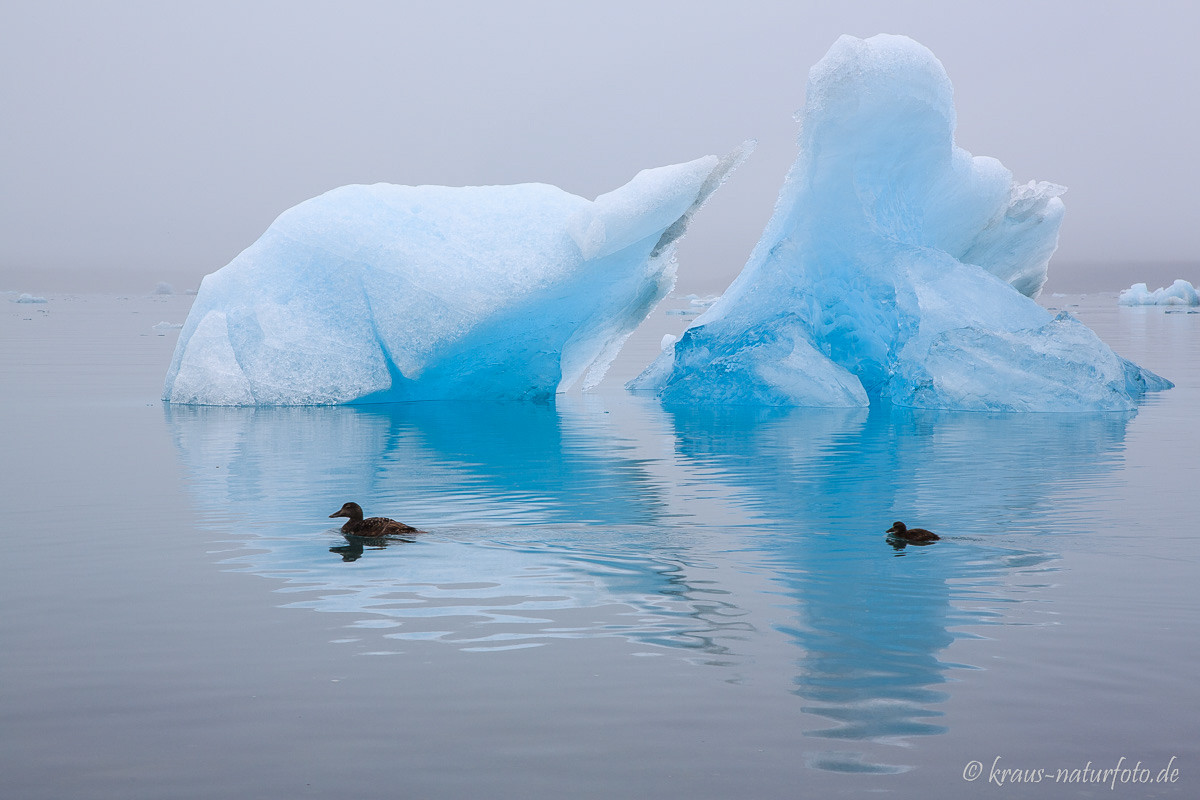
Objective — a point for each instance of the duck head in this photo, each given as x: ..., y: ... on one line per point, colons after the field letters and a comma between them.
x: 898, y: 528
x: 352, y: 510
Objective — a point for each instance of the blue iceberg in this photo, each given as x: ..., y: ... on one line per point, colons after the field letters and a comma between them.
x: 1179, y: 293
x: 897, y: 268
x: 387, y: 293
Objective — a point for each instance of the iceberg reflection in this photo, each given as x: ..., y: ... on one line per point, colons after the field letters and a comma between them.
x: 535, y: 514
x: 869, y: 627
x: 678, y: 529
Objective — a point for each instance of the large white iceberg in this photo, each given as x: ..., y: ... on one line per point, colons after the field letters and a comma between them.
x: 1179, y: 293
x: 896, y: 268
x: 388, y: 293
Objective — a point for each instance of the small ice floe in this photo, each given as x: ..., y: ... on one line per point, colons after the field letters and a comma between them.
x: 167, y: 326
x: 700, y: 301
x: 696, y: 305
x: 1179, y: 293
x: 29, y: 298
x: 164, y: 288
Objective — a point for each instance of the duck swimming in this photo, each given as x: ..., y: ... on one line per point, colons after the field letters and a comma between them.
x: 900, y: 531
x: 371, y: 526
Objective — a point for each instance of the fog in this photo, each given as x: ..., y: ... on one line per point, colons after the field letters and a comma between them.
x: 147, y: 142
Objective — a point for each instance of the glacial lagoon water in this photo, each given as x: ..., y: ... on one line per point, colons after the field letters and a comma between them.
x: 611, y: 599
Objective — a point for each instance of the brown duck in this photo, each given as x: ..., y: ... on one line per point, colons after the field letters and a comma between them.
x: 900, y: 531
x: 371, y: 526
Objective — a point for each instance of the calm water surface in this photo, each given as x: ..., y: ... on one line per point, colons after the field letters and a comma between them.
x: 612, y: 599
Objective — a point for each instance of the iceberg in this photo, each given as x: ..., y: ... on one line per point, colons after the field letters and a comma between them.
x: 1179, y: 293
x: 897, y: 268
x: 388, y: 293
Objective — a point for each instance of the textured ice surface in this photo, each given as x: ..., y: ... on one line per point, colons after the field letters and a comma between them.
x: 29, y: 298
x: 386, y: 293
x: 897, y: 267
x: 1179, y: 293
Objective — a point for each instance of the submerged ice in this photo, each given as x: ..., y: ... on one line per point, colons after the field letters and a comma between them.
x: 897, y: 268
x: 385, y: 293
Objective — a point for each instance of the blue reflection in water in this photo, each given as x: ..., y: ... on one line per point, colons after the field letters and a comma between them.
x: 535, y: 521
x: 452, y: 463
x: 869, y: 626
x: 666, y: 527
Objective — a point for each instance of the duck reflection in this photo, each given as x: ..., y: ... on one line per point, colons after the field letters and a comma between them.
x: 351, y: 551
x: 355, y: 546
x: 899, y: 545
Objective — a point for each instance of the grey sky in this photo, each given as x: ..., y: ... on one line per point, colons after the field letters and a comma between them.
x: 154, y: 141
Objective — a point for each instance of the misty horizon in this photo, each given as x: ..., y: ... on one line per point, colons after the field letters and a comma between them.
x: 153, y: 144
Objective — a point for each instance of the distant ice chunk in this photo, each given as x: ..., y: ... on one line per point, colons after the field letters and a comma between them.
x: 164, y: 288
x: 387, y: 293
x: 168, y: 326
x: 29, y: 298
x: 897, y: 268
x: 1179, y: 293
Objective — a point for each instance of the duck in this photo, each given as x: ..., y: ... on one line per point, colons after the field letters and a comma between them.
x: 371, y: 526
x: 901, y: 531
